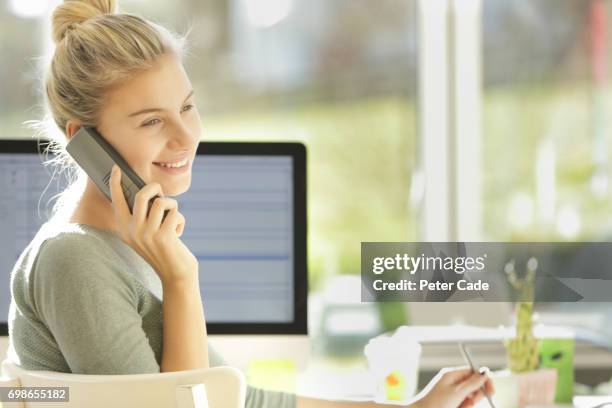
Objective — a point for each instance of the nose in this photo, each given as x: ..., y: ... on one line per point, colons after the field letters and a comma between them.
x: 181, y: 136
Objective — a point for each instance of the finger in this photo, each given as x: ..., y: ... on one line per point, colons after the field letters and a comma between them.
x: 489, y: 386
x: 471, y: 384
x: 456, y: 375
x: 477, y: 396
x: 120, y: 205
x: 490, y: 389
x: 170, y: 224
x: 467, y: 403
x: 181, y: 225
x: 141, y: 201
x: 157, y: 212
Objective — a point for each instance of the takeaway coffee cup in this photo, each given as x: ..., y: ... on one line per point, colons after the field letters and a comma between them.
x: 394, y: 366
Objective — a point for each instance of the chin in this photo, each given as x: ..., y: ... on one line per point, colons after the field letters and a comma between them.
x: 172, y: 185
x: 178, y: 188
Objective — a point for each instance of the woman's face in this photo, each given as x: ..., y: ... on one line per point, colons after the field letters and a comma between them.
x: 152, y: 118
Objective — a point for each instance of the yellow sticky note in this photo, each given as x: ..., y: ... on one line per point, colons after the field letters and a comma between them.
x: 272, y: 374
x: 395, y: 386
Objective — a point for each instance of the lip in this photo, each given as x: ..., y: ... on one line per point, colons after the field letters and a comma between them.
x: 176, y: 159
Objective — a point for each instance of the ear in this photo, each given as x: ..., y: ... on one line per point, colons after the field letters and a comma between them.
x: 72, y: 126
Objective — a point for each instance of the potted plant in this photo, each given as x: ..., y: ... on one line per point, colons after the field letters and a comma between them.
x: 535, y: 385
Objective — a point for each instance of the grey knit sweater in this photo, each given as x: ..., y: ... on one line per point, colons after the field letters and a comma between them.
x: 85, y: 302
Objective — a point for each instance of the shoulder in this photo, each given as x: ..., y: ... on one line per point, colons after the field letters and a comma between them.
x: 72, y: 254
x: 67, y: 237
x: 73, y: 245
x: 76, y: 267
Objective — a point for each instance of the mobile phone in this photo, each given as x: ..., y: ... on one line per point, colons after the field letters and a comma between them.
x: 96, y: 156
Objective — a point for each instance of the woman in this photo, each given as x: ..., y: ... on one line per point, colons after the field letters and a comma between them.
x: 87, y: 291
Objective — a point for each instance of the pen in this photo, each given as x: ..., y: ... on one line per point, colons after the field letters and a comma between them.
x: 467, y: 358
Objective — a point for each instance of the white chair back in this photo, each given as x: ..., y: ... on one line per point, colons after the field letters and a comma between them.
x: 216, y: 387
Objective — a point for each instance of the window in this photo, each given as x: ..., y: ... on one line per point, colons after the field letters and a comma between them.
x: 546, y: 120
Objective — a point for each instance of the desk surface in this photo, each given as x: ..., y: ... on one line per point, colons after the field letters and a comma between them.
x: 341, y: 378
x: 579, y: 402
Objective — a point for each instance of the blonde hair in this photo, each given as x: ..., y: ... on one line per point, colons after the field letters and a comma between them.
x: 96, y: 48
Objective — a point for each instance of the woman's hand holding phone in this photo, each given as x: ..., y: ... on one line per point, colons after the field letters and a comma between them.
x: 156, y: 241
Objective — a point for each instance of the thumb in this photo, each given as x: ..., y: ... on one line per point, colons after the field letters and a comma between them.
x: 471, y: 384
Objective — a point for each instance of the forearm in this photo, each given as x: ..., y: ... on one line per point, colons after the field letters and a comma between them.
x: 306, y: 402
x: 185, y: 340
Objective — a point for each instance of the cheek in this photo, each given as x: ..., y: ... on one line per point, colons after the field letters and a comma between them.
x: 195, y: 126
x: 142, y: 162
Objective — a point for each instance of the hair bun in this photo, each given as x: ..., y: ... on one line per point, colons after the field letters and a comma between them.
x: 73, y: 12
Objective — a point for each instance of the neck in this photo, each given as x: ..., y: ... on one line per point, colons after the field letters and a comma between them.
x: 95, y: 209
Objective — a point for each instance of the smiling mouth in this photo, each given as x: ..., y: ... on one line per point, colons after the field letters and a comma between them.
x: 173, y: 165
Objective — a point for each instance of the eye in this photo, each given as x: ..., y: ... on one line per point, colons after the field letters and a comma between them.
x: 187, y: 107
x: 151, y: 122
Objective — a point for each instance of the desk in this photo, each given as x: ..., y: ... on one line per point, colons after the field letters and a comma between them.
x: 353, y: 382
x: 591, y: 402
x: 336, y: 378
x: 350, y: 376
x: 579, y: 402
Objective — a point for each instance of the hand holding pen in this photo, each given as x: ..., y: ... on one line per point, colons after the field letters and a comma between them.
x: 454, y: 388
x: 484, y: 390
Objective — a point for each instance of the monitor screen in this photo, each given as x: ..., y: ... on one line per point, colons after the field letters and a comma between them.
x: 245, y: 222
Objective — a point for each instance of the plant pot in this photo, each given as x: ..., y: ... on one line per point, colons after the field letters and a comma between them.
x: 537, y: 387
x: 518, y: 390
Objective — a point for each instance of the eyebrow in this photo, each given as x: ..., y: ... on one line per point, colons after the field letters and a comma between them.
x: 140, y: 112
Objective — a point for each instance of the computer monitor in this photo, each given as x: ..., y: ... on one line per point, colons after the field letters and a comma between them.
x: 245, y: 222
